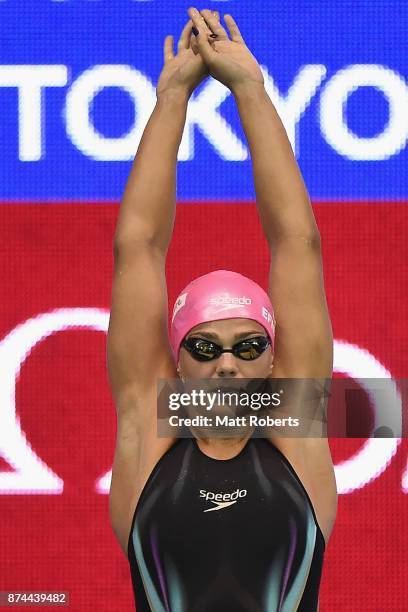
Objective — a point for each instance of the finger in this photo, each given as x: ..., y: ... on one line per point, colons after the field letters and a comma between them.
x: 193, y: 45
x: 211, y: 36
x: 202, y: 21
x: 214, y: 24
x: 204, y: 47
x: 233, y: 29
x: 184, y: 40
x: 217, y: 17
x: 168, y: 48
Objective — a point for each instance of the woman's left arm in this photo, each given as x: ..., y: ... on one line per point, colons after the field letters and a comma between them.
x: 304, y: 341
x: 303, y: 334
x: 304, y: 338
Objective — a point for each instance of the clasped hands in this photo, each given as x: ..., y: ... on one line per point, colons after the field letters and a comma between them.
x: 212, y: 51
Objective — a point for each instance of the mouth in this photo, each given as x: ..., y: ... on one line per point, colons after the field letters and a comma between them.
x: 229, y: 400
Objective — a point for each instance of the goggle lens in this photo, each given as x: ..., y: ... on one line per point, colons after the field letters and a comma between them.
x: 205, y: 350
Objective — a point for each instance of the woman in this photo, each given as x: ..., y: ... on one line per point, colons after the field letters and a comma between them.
x: 273, y: 501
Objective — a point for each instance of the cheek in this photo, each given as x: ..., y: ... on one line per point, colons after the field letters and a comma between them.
x: 259, y: 368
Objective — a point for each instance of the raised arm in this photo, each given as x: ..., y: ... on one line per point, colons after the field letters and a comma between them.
x: 304, y: 341
x: 137, y: 345
x: 303, y: 346
x: 138, y: 349
x: 303, y: 334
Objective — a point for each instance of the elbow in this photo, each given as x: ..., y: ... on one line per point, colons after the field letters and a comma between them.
x: 309, y: 239
x: 136, y: 242
x: 312, y: 239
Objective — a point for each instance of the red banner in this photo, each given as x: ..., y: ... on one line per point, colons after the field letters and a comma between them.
x: 57, y: 420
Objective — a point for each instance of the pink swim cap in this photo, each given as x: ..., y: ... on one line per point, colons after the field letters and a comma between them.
x: 221, y: 294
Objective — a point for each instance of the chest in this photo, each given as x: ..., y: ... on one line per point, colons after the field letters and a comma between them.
x: 206, y: 504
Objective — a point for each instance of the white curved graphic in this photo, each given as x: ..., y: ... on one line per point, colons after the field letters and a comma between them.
x: 31, y: 474
x: 375, y: 455
x: 103, y: 483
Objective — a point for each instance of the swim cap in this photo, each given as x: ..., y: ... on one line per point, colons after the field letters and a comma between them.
x: 221, y: 294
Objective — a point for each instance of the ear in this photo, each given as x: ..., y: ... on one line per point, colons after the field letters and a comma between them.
x: 180, y: 375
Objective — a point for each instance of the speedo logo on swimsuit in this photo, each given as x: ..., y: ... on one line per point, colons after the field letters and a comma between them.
x: 222, y: 500
x: 228, y: 302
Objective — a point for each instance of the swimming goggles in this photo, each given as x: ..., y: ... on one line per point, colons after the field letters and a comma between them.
x: 206, y: 350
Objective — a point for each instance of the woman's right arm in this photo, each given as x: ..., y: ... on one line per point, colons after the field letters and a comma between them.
x: 138, y: 349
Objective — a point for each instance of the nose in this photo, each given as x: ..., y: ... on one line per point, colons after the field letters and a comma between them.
x: 226, y: 365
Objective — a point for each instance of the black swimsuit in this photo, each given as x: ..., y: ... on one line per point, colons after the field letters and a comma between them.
x: 235, y: 535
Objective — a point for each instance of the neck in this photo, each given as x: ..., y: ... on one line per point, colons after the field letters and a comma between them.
x: 223, y: 443
x: 222, y: 448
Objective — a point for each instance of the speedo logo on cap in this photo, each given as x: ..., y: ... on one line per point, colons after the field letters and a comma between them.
x: 181, y: 300
x: 230, y: 302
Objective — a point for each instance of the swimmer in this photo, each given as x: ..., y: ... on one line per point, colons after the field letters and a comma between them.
x: 217, y: 523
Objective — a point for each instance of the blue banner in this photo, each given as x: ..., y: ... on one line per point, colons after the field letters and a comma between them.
x: 78, y: 82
